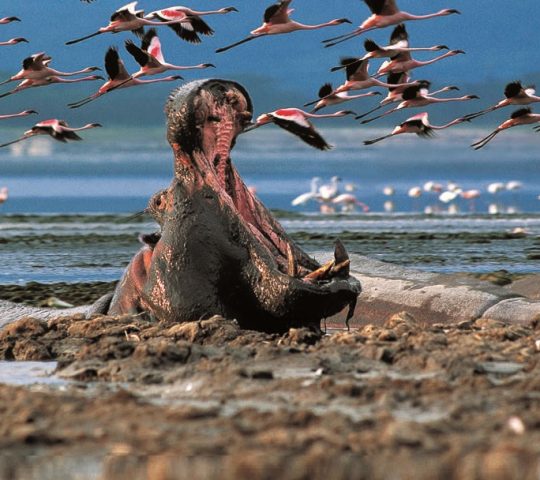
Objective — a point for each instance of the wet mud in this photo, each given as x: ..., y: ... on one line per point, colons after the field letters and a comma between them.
x: 209, y: 400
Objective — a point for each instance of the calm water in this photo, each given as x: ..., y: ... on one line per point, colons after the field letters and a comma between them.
x: 49, y: 229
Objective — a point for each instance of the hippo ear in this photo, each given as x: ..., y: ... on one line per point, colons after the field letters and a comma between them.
x: 341, y: 260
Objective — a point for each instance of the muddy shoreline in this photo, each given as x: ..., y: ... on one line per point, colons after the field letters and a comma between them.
x: 209, y: 400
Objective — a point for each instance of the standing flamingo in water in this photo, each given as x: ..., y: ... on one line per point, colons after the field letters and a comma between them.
x: 384, y: 14
x: 126, y: 18
x: 523, y: 116
x: 516, y: 94
x: 150, y: 56
x: 418, y: 124
x: 57, y: 129
x: 118, y: 78
x: 313, y: 194
x: 277, y: 21
x: 296, y: 121
x: 328, y: 98
x: 36, y: 67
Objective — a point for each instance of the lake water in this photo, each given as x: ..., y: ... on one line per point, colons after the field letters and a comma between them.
x: 67, y: 215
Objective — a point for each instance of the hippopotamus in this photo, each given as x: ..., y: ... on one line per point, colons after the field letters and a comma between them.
x: 219, y: 250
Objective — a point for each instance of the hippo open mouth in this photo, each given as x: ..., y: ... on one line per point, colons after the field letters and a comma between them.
x: 220, y: 250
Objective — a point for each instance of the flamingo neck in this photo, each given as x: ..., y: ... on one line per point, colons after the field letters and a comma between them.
x: 301, y: 26
x: 441, y: 127
x: 323, y: 115
x: 410, y: 16
x: 436, y: 59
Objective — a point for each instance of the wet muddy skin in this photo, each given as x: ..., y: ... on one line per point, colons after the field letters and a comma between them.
x: 156, y: 401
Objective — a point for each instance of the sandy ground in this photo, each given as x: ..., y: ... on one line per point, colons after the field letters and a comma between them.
x: 208, y: 400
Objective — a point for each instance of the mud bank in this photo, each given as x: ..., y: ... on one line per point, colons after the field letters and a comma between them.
x: 208, y: 400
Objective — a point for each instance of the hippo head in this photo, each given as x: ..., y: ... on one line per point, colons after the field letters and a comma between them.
x: 220, y: 250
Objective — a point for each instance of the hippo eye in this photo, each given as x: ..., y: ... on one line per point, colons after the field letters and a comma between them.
x: 158, y: 201
x: 214, y: 118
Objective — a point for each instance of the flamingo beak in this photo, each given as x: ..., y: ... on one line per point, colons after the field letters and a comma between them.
x: 250, y: 126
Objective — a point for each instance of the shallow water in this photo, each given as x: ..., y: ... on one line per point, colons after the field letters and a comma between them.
x: 75, y: 248
x: 29, y: 373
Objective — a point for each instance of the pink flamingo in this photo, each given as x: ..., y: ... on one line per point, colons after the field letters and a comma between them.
x: 523, y: 116
x: 296, y: 122
x: 126, y: 18
x: 384, y: 14
x: 36, y: 67
x: 13, y: 41
x: 150, y: 56
x: 358, y: 77
x: 515, y: 94
x: 57, y: 129
x: 31, y: 83
x: 328, y: 98
x: 118, y: 78
x: 276, y: 21
x: 418, y: 124
x: 399, y: 43
x: 187, y: 23
x: 405, y: 63
x: 4, y: 195
x: 419, y: 96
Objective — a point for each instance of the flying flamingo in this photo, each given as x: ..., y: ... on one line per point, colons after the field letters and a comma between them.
x: 328, y: 98
x: 187, y: 23
x: 5, y: 20
x: 418, y: 124
x: 523, y: 116
x: 36, y: 67
x: 57, y: 129
x: 384, y: 14
x: 399, y: 43
x: 4, y: 195
x: 24, y: 113
x: 296, y: 121
x: 515, y: 94
x: 13, y: 41
x: 395, y: 93
x: 124, y: 19
x: 419, y: 96
x: 150, y: 56
x: 348, y: 202
x: 358, y: 78
x: 31, y: 83
x: 276, y: 21
x: 313, y: 194
x: 118, y: 78
x: 405, y: 63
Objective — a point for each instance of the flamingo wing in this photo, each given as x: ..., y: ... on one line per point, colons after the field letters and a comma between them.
x: 513, y: 89
x: 278, y: 12
x: 521, y: 112
x: 140, y: 56
x: 382, y: 7
x: 114, y: 66
x: 152, y: 45
x: 357, y: 70
x: 303, y: 129
x: 325, y: 90
x: 399, y: 36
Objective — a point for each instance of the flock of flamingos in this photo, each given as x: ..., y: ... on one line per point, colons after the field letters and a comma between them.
x: 189, y: 25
